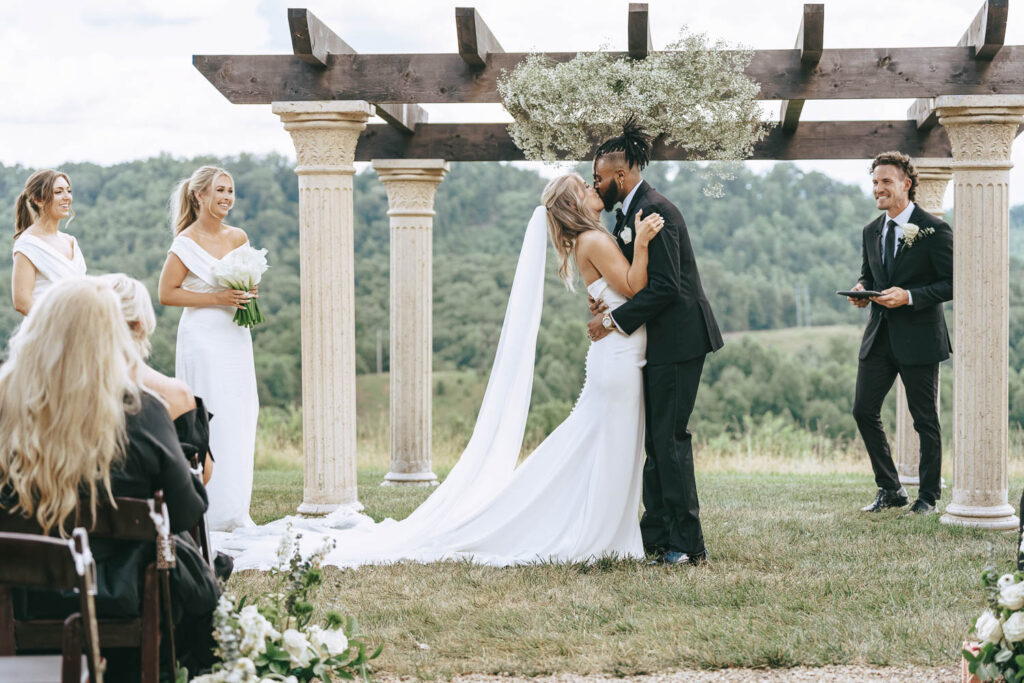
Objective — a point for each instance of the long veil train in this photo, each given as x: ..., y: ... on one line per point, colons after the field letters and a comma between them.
x: 484, y: 468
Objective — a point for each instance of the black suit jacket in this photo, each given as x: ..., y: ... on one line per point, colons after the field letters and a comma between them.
x: 680, y: 324
x: 917, y: 332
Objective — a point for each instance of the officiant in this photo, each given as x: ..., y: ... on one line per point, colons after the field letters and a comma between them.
x: 908, y: 260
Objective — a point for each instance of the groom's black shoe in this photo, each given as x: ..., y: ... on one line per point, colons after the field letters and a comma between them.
x: 921, y: 507
x: 678, y: 559
x: 887, y: 498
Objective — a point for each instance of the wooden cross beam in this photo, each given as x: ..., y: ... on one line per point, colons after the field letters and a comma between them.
x: 810, y: 40
x: 985, y: 37
x: 860, y: 73
x: 313, y: 41
x: 812, y: 140
x: 639, y: 31
x: 476, y: 41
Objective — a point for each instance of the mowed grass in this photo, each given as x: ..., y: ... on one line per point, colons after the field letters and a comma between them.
x: 798, y: 577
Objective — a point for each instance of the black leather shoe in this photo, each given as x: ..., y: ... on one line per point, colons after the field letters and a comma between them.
x: 922, y: 508
x: 678, y: 559
x: 887, y: 499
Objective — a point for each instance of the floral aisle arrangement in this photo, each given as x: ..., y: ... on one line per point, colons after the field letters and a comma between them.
x: 242, y: 269
x: 1000, y: 630
x: 277, y: 640
x: 694, y: 94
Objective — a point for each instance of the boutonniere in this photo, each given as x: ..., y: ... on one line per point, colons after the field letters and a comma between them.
x: 626, y: 235
x: 912, y: 233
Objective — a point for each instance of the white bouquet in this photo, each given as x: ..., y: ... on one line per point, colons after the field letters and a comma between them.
x: 242, y: 270
x: 998, y: 653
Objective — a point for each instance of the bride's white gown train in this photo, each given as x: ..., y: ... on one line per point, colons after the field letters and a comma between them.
x: 575, y: 498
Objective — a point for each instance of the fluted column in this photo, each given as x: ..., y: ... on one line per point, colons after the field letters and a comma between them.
x: 325, y: 135
x: 981, y: 130
x: 933, y: 177
x: 411, y: 185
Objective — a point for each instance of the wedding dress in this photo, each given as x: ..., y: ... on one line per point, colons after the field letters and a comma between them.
x: 51, y: 265
x: 575, y: 498
x: 214, y: 358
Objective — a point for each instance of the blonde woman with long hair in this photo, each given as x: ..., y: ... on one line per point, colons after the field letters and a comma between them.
x: 78, y: 428
x: 576, y: 497
x: 42, y: 253
x: 214, y: 355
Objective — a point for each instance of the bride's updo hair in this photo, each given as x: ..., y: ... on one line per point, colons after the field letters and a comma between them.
x: 185, y: 203
x: 64, y: 390
x: 565, y: 198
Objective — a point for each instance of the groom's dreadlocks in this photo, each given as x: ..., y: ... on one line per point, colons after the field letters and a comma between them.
x: 634, y: 144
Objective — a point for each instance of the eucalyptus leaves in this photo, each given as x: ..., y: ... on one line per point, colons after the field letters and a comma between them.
x: 694, y: 93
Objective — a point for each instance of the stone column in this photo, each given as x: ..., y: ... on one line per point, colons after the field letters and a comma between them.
x: 411, y: 185
x: 981, y: 130
x: 933, y: 176
x: 325, y: 135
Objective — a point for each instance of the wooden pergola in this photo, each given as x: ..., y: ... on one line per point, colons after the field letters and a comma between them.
x: 969, y: 110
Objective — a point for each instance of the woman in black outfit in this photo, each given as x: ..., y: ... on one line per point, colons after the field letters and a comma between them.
x: 76, y: 426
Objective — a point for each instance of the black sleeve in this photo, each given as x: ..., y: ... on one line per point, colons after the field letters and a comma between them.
x: 940, y: 253
x: 662, y: 277
x: 193, y: 428
x: 867, y: 280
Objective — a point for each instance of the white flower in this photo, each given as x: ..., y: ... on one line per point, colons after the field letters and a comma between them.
x: 626, y: 235
x: 1012, y: 596
x: 910, y: 232
x: 988, y: 628
x: 255, y: 631
x: 241, y: 269
x: 1013, y: 628
x: 333, y: 640
x: 1005, y: 580
x: 297, y: 645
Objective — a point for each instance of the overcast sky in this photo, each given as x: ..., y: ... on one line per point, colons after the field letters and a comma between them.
x: 112, y: 80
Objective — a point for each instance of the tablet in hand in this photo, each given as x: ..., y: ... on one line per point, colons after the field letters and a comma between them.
x: 859, y: 294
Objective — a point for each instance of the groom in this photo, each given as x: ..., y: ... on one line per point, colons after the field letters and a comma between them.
x: 681, y: 330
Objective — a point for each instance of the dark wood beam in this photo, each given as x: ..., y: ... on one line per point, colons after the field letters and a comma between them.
x: 313, y: 41
x: 987, y: 32
x: 810, y: 40
x: 639, y: 31
x: 812, y: 140
x: 868, y: 73
x: 476, y: 41
x: 922, y: 113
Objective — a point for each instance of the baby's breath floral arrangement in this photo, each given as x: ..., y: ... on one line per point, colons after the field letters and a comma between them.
x: 695, y: 94
x: 277, y: 640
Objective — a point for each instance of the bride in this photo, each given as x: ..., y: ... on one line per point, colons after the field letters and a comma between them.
x: 577, y: 496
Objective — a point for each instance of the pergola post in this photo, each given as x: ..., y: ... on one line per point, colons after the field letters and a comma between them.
x: 411, y: 185
x: 325, y: 135
x: 933, y: 176
x: 981, y: 131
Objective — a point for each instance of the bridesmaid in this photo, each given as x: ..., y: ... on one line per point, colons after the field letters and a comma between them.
x: 214, y: 355
x: 42, y: 253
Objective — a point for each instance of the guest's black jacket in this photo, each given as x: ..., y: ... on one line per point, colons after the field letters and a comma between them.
x: 917, y: 332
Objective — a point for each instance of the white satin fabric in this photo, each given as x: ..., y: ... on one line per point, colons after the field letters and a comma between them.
x: 51, y: 265
x: 214, y: 358
x: 575, y: 498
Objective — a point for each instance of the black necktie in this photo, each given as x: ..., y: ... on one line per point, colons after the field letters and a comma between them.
x: 889, y: 250
x: 620, y: 219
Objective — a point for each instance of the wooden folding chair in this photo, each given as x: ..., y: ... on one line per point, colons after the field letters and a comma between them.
x: 33, y: 561
x: 132, y: 520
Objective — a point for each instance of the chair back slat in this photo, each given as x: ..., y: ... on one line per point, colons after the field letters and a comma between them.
x: 129, y: 521
x: 42, y: 562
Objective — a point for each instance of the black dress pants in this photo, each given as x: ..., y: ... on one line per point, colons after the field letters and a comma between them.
x: 671, y: 519
x: 875, y: 377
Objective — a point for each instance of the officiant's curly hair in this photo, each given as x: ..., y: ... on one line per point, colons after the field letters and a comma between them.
x: 565, y: 198
x: 634, y: 144
x: 903, y: 163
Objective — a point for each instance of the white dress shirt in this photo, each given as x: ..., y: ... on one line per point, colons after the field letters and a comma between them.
x: 625, y: 208
x: 901, y: 219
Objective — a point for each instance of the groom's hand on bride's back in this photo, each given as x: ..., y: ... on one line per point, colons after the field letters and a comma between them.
x: 597, y: 306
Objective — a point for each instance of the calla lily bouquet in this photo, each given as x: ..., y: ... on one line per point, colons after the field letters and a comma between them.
x: 1000, y: 630
x: 242, y: 269
x: 277, y: 639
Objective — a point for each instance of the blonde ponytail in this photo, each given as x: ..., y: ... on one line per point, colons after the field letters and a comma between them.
x: 184, y: 203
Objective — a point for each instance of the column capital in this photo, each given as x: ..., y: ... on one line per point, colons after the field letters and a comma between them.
x: 981, y: 128
x: 324, y: 132
x: 933, y: 176
x: 410, y: 184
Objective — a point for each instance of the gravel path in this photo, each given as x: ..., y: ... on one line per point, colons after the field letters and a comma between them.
x: 851, y: 674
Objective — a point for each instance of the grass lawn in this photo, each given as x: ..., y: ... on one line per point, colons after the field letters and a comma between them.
x: 798, y: 577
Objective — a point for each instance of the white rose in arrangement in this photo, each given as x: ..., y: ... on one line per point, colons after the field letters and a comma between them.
x: 1005, y: 580
x: 1013, y: 628
x: 297, y: 645
x: 333, y: 640
x: 1012, y: 596
x: 256, y: 630
x: 988, y: 628
x: 242, y: 269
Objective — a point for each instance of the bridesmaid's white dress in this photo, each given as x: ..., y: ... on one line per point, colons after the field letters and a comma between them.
x: 51, y: 265
x: 214, y: 358
x: 574, y: 499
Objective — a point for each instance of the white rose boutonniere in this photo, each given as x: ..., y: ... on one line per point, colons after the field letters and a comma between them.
x: 626, y: 235
x: 912, y: 233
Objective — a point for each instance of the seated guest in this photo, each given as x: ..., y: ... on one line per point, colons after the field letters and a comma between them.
x: 191, y: 419
x: 77, y: 427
